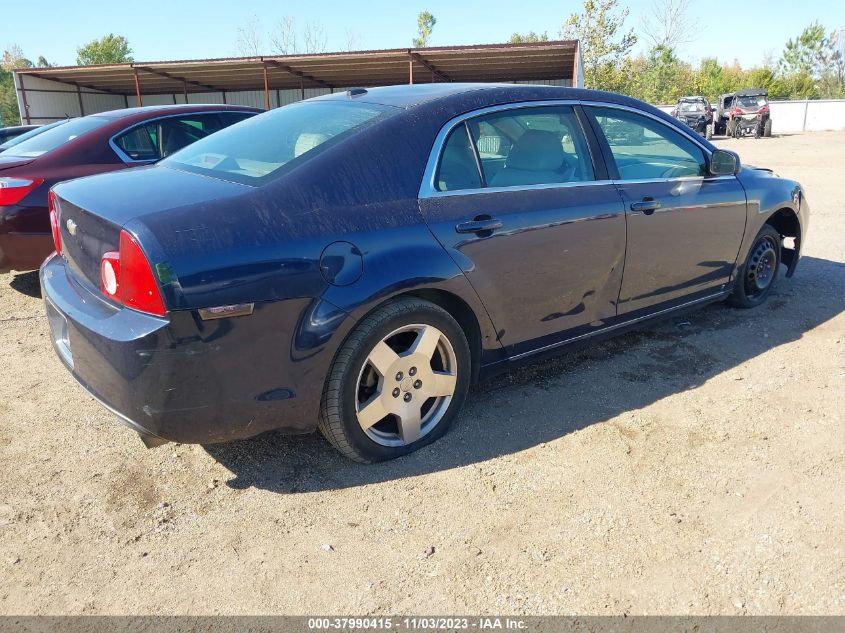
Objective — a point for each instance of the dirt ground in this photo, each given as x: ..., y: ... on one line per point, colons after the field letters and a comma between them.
x: 696, y: 467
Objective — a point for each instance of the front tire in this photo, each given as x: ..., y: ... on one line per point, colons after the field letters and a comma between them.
x: 756, y: 277
x: 397, y: 382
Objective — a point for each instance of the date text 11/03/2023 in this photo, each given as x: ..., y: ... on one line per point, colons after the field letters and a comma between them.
x: 417, y: 624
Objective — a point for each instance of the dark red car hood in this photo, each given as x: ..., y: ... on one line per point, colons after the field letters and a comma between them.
x: 7, y: 162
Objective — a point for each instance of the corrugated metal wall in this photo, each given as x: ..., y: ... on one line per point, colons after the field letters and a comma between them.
x: 51, y: 100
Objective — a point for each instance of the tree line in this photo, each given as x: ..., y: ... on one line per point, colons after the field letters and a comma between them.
x: 811, y: 66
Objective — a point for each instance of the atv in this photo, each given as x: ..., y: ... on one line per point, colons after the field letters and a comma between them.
x: 748, y: 112
x: 720, y: 114
x: 695, y: 113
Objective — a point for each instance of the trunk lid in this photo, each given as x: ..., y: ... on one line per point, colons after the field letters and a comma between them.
x: 85, y: 238
x: 93, y: 210
x: 7, y: 162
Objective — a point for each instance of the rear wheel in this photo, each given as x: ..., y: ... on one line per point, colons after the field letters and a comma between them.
x: 708, y: 132
x: 730, y: 128
x: 757, y: 275
x: 767, y: 128
x: 397, y: 383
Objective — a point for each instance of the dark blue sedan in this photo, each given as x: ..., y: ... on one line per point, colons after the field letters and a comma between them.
x: 354, y: 262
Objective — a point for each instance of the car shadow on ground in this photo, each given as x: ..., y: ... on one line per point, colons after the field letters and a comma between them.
x: 27, y: 283
x: 549, y: 399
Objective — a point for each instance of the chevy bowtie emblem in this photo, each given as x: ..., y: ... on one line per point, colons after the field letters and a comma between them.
x: 71, y: 227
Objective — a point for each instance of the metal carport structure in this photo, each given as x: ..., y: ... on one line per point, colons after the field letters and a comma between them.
x: 48, y: 94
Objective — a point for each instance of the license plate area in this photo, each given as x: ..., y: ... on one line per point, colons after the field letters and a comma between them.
x: 59, y: 331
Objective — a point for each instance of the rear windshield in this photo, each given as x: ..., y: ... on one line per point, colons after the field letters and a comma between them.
x: 756, y: 101
x: 28, y: 135
x: 691, y: 106
x: 49, y: 140
x: 265, y: 146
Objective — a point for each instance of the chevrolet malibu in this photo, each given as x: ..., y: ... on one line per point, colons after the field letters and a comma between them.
x: 354, y: 262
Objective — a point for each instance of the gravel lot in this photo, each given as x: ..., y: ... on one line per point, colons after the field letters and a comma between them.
x: 695, y: 467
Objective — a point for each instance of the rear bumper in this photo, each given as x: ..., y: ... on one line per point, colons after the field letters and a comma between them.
x: 182, y: 379
x: 695, y: 124
x: 23, y: 251
x: 25, y: 238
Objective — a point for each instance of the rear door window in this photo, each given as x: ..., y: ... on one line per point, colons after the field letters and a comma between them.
x: 230, y: 118
x: 175, y: 133
x: 531, y: 146
x: 138, y: 143
x: 518, y: 147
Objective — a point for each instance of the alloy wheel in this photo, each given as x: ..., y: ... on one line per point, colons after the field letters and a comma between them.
x: 406, y: 384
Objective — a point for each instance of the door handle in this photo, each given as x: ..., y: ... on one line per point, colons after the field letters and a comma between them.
x: 479, y: 224
x: 646, y: 205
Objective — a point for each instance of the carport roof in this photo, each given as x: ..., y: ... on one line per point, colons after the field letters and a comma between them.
x: 485, y: 63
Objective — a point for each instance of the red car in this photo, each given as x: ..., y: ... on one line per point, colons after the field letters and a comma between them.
x: 81, y: 147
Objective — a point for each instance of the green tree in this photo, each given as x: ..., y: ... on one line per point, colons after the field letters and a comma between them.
x: 531, y: 36
x: 111, y: 49
x: 711, y: 77
x: 604, y: 45
x: 762, y: 77
x: 665, y: 78
x: 425, y: 25
x: 816, y: 58
x: 13, y: 59
x: 805, y: 54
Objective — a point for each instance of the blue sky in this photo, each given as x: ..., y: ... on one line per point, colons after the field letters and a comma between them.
x: 185, y: 29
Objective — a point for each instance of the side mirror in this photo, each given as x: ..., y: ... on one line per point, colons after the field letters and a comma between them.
x: 723, y: 163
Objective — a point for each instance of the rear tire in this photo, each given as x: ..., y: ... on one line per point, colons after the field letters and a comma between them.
x: 730, y: 129
x: 767, y: 128
x: 708, y: 132
x: 397, y: 383
x: 756, y: 277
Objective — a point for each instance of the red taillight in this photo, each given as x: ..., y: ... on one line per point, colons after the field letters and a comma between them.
x: 764, y: 110
x: 13, y: 190
x: 53, y: 206
x: 126, y: 277
x: 110, y: 274
x: 738, y: 111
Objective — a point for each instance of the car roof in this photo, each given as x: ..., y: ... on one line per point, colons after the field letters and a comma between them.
x: 752, y: 92
x: 409, y: 96
x: 175, y: 109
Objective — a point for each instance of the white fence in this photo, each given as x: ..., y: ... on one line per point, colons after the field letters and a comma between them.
x: 790, y: 117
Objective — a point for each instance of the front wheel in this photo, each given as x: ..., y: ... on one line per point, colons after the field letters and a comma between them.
x: 397, y: 383
x: 757, y: 275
